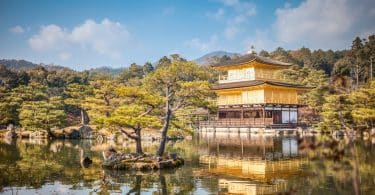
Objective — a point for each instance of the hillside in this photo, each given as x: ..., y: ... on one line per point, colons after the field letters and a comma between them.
x: 26, y: 65
x: 107, y: 70
x: 213, y: 57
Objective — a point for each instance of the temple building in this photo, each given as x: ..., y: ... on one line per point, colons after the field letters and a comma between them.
x: 252, y: 93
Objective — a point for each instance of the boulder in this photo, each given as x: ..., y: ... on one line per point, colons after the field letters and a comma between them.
x: 86, y: 132
x: 10, y: 134
x: 38, y: 135
x: 109, y: 154
x: 11, y: 127
x: 73, y: 134
x: 24, y: 134
x: 86, y: 162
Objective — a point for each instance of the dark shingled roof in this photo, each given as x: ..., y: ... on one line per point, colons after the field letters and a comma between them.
x: 251, y: 57
x: 255, y: 83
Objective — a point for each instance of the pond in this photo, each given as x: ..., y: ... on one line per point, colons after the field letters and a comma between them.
x: 215, y: 164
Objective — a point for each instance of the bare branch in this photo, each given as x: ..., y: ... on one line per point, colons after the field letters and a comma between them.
x: 147, y: 112
x: 179, y: 104
x: 129, y: 134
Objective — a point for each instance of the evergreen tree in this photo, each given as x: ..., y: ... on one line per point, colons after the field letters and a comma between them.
x: 76, y: 96
x: 363, y: 111
x: 147, y: 68
x: 103, y: 101
x: 42, y: 114
x: 181, y: 84
x: 336, y: 113
x: 264, y: 53
x: 138, y: 111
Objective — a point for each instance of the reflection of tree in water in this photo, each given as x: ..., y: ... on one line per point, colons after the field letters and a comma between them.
x: 32, y: 165
x: 178, y: 181
x: 333, y: 166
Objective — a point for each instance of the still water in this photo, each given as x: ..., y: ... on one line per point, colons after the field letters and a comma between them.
x: 215, y: 164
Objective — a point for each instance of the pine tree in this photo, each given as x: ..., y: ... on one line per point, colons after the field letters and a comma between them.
x: 138, y: 111
x: 76, y: 96
x: 103, y: 101
x: 147, y: 68
x: 181, y: 84
x: 363, y: 111
x: 42, y: 114
x: 336, y: 113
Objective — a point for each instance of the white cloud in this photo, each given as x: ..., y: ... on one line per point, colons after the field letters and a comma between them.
x: 65, y: 56
x: 106, y: 38
x: 17, y: 29
x: 218, y: 14
x: 49, y: 37
x: 203, y: 46
x: 230, y: 32
x: 324, y: 24
x: 241, y: 8
x: 241, y: 11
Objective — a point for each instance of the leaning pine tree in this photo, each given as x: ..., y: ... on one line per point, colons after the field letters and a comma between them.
x: 182, y: 84
x: 137, y: 112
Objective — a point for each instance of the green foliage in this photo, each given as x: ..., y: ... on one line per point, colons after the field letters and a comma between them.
x: 134, y: 71
x: 76, y: 94
x: 351, y: 110
x: 10, y: 79
x: 309, y: 77
x: 363, y: 111
x: 147, y: 68
x: 336, y: 113
x: 182, y: 84
x: 42, y: 114
x: 138, y: 111
x: 104, y: 100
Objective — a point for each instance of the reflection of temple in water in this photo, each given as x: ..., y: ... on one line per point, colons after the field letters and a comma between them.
x: 250, y: 164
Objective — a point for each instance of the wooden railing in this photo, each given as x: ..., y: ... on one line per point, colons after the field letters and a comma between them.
x: 253, y: 122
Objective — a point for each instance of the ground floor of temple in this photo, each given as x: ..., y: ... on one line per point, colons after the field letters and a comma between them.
x: 255, y: 115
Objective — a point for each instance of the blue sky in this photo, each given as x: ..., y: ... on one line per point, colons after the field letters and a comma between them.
x: 87, y: 34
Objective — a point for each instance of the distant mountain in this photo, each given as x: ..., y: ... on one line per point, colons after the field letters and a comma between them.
x: 26, y: 65
x: 213, y: 56
x: 108, y: 70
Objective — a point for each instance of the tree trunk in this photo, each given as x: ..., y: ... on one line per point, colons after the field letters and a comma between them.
x: 137, y: 186
x: 136, y: 138
x: 138, y: 142
x: 163, y: 140
x: 163, y: 184
x: 370, y: 69
x: 84, y: 117
x: 167, y: 118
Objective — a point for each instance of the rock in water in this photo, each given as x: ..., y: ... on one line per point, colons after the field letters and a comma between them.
x: 85, y: 132
x: 10, y: 135
x: 74, y: 134
x: 109, y: 154
x: 86, y: 162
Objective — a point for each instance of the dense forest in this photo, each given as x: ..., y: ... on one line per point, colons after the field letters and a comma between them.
x: 147, y: 96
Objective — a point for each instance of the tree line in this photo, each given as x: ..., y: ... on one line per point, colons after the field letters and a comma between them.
x: 140, y: 97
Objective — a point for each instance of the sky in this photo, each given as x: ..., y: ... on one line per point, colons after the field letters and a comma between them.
x: 93, y: 33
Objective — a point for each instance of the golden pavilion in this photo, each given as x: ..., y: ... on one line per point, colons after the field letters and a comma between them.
x: 251, y: 93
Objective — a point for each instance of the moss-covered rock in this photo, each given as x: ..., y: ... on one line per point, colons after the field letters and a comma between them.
x: 143, y: 164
